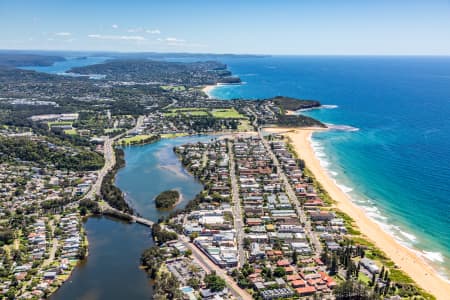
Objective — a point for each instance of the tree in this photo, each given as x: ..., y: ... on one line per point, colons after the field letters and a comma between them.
x: 167, y: 287
x: 324, y: 257
x: 374, y: 278
x: 193, y: 236
x: 352, y: 290
x: 382, y: 272
x: 214, y: 282
x: 386, y: 275
x: 279, y: 272
x: 334, y: 265
x: 294, y: 257
x: 194, y: 283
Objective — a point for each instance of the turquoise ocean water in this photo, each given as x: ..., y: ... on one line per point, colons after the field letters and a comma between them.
x: 394, y: 159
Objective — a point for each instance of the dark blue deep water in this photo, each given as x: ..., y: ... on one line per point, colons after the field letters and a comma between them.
x: 397, y: 165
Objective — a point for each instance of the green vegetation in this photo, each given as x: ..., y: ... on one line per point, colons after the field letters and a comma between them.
x: 44, y: 153
x: 70, y: 131
x: 59, y: 123
x: 351, y: 289
x: 170, y: 73
x: 175, y: 88
x: 166, y: 287
x: 161, y: 235
x: 293, y: 104
x: 227, y: 113
x: 138, y: 139
x: 172, y: 135
x: 86, y: 205
x: 6, y: 237
x: 109, y: 191
x: 194, y: 112
x: 152, y: 259
x: 298, y: 121
x: 214, y: 282
x: 23, y: 60
x: 167, y: 199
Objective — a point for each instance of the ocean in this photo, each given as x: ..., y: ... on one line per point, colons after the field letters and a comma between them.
x: 393, y: 157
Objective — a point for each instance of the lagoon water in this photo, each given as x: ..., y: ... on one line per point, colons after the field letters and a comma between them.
x: 111, y: 270
x: 394, y: 160
x: 152, y: 169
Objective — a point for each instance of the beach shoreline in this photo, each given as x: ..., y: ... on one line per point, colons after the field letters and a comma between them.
x: 208, y: 89
x: 408, y: 261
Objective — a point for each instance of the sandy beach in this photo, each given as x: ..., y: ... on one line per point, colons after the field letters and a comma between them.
x: 406, y: 259
x: 207, y: 89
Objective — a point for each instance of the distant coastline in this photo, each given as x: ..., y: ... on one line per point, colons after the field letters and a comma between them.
x: 208, y: 90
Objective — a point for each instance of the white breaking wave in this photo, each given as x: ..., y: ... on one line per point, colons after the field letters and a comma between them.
x: 409, y: 236
x: 405, y: 239
x: 433, y: 256
x: 329, y: 106
x: 341, y: 127
x: 344, y: 188
x: 334, y: 173
x: 323, y: 106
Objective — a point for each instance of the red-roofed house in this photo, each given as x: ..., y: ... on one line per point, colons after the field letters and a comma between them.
x: 307, y: 290
x: 283, y: 263
x: 293, y: 277
x: 289, y: 270
x: 298, y: 283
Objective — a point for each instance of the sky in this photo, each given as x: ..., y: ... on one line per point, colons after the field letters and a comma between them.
x: 325, y: 27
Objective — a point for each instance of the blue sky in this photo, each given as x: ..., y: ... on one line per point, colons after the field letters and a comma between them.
x: 218, y: 26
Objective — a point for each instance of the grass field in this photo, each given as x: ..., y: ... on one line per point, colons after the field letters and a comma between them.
x: 134, y: 139
x: 172, y: 135
x: 227, y: 113
x: 244, y: 125
x: 70, y: 131
x: 198, y: 112
x: 178, y: 88
x: 59, y: 123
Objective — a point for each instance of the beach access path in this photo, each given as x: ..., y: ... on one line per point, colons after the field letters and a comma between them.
x: 408, y: 261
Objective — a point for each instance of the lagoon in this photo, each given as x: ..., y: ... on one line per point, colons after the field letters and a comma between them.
x: 154, y: 168
x: 111, y: 271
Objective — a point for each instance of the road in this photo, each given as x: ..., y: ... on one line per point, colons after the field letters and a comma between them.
x: 293, y: 197
x: 199, y: 256
x: 237, y: 209
x: 54, y: 246
x: 110, y: 159
x: 209, y: 266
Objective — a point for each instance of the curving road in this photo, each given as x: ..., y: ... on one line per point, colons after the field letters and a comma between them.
x: 110, y: 159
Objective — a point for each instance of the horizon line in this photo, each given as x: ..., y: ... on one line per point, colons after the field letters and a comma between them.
x: 227, y: 53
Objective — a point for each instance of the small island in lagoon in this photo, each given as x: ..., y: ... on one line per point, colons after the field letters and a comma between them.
x: 167, y: 199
